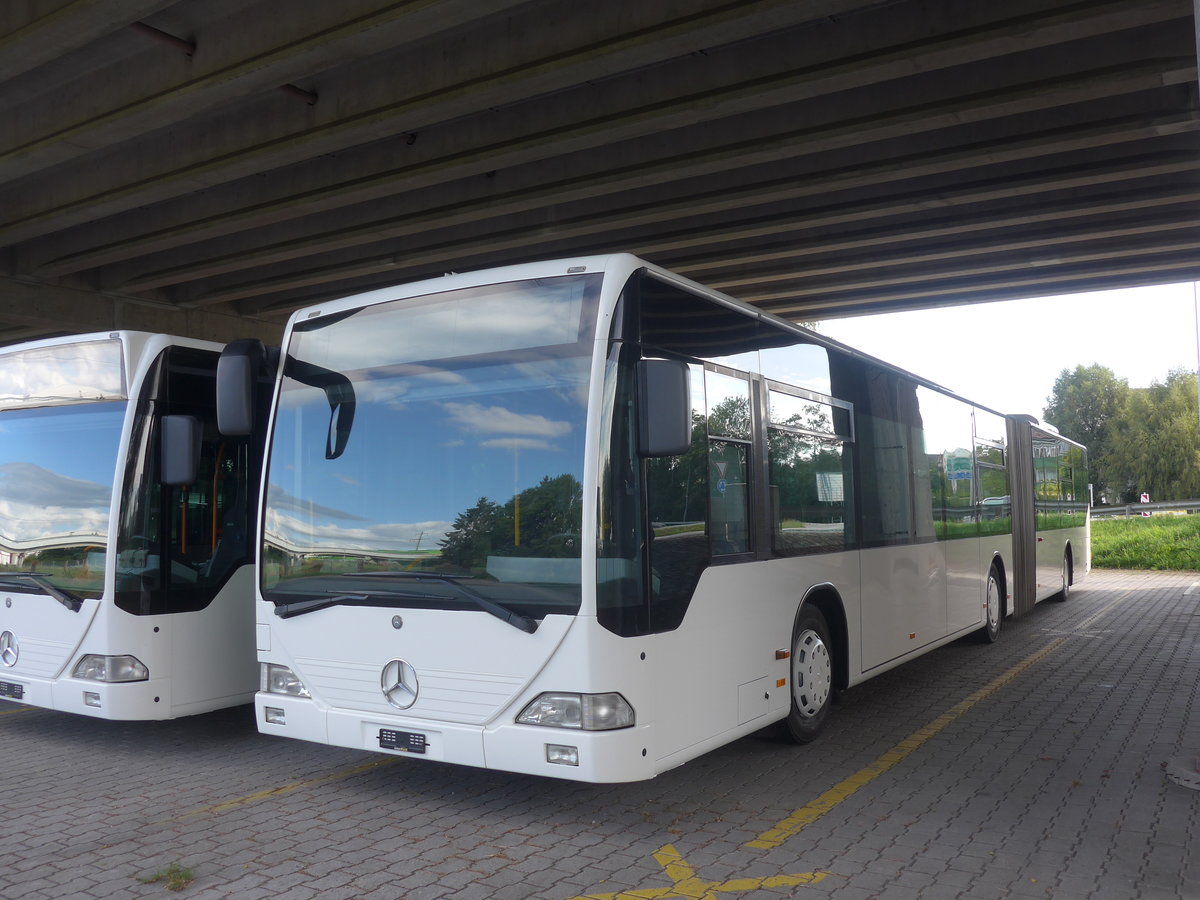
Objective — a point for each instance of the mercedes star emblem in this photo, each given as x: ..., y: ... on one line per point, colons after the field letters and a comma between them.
x: 9, y: 651
x: 399, y: 683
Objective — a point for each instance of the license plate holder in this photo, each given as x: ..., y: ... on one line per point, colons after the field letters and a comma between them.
x: 12, y: 691
x: 402, y: 741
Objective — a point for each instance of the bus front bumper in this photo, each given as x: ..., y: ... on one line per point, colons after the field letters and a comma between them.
x: 124, y: 701
x: 597, y: 756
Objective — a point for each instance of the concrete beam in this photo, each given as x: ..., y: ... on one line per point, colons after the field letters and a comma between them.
x: 46, y: 309
x: 1006, y: 285
x: 256, y: 51
x: 378, y: 105
x: 31, y: 42
x: 513, y: 235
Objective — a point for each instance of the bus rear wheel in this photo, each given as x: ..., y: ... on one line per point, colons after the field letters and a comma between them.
x: 812, y: 676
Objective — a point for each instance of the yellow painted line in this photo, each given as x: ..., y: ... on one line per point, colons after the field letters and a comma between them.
x: 806, y: 815
x: 9, y: 712
x: 285, y: 789
x: 686, y: 884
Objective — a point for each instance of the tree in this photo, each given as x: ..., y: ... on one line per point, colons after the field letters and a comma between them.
x: 1082, y: 406
x: 1154, y: 446
x: 471, y: 538
x: 542, y: 521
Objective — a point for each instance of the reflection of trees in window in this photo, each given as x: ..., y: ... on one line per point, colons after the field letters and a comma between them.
x: 469, y: 543
x: 808, y: 492
x: 677, y: 486
x: 542, y: 521
x: 730, y: 418
x: 801, y: 414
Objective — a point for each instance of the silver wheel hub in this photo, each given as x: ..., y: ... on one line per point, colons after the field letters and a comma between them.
x: 993, y: 603
x: 812, y: 674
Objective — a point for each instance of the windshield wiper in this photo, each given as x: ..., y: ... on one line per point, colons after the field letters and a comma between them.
x: 66, y: 598
x: 300, y: 607
x: 515, y: 619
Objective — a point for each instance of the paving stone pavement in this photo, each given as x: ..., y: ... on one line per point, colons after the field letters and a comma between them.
x: 1028, y: 768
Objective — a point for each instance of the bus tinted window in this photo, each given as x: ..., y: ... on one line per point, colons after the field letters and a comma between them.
x: 945, y: 434
x: 796, y: 363
x: 728, y: 402
x: 811, y: 498
x: 802, y: 413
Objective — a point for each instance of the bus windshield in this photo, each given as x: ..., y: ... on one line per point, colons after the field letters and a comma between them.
x: 429, y: 452
x: 56, y: 485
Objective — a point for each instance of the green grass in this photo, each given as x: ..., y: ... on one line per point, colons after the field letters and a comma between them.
x: 174, y: 877
x: 1158, y: 542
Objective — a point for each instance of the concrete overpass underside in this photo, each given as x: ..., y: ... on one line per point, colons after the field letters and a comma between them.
x: 207, y: 166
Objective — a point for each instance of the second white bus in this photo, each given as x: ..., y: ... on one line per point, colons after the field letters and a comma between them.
x: 126, y: 535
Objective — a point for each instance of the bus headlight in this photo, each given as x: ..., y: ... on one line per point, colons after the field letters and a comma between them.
x: 586, y: 712
x: 281, y: 680
x: 95, y: 667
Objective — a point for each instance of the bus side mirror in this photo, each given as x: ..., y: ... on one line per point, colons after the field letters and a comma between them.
x: 665, y: 409
x: 237, y: 378
x: 180, y: 451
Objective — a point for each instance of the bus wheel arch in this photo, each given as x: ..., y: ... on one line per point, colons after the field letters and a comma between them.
x: 818, y: 666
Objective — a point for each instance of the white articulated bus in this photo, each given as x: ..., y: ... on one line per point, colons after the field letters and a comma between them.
x: 126, y: 530
x: 587, y: 519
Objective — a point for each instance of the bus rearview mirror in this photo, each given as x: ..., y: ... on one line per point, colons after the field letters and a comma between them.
x: 665, y: 409
x: 237, y: 376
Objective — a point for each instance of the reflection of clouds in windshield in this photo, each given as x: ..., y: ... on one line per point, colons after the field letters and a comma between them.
x: 476, y: 417
x: 25, y: 482
x: 36, y: 503
x: 458, y: 323
x: 518, y: 444
x: 278, y: 498
x: 571, y: 380
x: 90, y: 370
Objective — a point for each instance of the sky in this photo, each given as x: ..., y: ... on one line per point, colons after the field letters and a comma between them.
x: 988, y: 356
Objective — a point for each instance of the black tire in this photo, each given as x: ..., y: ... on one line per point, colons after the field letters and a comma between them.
x: 994, y: 603
x: 812, y: 667
x: 1065, y: 593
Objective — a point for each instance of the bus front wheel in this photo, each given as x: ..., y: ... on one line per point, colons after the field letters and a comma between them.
x: 994, y: 606
x: 812, y: 676
x: 1066, y: 578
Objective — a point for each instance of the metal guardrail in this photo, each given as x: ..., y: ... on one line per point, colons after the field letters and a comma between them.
x: 1136, y: 509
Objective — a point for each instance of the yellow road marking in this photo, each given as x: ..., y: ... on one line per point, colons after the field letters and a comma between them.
x: 9, y: 712
x: 284, y: 789
x: 806, y: 815
x: 685, y: 883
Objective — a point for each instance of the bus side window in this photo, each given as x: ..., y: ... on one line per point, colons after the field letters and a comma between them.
x: 811, y: 483
x: 729, y: 429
